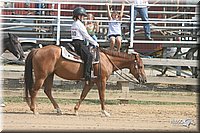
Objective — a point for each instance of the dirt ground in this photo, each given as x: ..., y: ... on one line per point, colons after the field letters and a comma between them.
x: 129, y: 117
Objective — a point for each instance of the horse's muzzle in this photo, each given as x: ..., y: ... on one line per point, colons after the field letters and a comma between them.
x: 142, y: 80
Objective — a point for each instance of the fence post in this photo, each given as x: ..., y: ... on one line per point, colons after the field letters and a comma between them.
x: 125, y: 91
x: 132, y: 26
x: 58, y: 25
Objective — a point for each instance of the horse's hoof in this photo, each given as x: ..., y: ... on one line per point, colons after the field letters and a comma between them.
x: 105, y: 113
x: 35, y: 113
x: 76, y: 113
x: 59, y: 112
x: 3, y: 105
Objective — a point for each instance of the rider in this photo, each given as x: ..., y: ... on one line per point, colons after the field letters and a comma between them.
x: 79, y: 34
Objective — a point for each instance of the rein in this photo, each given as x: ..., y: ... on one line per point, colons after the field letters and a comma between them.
x: 121, y: 75
x: 99, y: 70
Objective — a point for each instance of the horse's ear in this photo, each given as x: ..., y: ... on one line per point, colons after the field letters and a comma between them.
x: 137, y: 56
x: 9, y: 34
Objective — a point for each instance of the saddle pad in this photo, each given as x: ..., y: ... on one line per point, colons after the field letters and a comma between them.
x: 69, y: 56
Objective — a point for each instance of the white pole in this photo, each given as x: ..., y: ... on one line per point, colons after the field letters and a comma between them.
x: 131, y: 28
x: 58, y: 25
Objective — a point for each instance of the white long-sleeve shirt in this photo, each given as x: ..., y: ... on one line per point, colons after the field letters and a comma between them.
x: 78, y: 31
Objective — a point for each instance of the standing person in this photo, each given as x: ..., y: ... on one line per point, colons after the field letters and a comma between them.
x: 141, y: 7
x: 79, y: 34
x: 39, y: 5
x: 92, y: 28
x: 114, y: 30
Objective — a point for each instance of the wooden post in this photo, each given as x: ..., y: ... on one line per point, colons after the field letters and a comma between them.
x: 125, y: 91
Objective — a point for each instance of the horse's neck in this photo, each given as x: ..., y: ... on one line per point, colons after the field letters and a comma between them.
x: 5, y: 44
x: 120, y: 63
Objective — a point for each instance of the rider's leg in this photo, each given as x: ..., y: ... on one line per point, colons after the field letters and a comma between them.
x: 87, y: 58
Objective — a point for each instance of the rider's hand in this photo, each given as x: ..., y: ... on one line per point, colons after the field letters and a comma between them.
x: 97, y: 45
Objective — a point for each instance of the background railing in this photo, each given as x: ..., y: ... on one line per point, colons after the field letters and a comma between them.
x: 173, y: 26
x: 167, y: 21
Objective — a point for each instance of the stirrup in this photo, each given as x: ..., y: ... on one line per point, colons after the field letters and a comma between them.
x: 87, y: 82
x: 93, y: 77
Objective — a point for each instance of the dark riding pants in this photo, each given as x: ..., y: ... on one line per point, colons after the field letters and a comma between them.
x: 86, y: 56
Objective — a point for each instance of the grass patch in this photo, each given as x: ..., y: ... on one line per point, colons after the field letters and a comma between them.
x: 17, y: 99
x: 159, y: 103
x: 94, y: 101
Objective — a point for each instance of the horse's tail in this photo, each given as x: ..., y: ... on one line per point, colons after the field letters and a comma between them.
x: 28, y: 75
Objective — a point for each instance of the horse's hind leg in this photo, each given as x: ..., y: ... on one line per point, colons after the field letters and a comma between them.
x: 48, y: 84
x: 84, y: 93
x: 38, y: 84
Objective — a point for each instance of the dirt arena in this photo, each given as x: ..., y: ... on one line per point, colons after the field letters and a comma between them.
x: 124, y: 117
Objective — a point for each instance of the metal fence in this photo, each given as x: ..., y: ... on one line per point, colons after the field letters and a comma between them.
x: 168, y: 24
x: 172, y: 25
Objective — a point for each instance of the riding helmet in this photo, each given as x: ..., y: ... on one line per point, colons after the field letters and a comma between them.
x: 79, y: 11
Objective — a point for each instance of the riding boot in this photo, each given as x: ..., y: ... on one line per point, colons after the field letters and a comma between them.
x: 87, y: 80
x: 92, y: 75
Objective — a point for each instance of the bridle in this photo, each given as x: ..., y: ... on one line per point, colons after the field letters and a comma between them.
x: 130, y: 79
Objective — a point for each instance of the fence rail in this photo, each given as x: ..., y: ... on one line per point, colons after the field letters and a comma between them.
x: 173, y: 28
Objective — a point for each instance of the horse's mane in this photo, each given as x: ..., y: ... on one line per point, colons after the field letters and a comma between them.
x: 118, y: 54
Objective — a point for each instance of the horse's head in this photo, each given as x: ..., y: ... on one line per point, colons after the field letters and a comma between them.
x: 137, y: 69
x: 15, y: 47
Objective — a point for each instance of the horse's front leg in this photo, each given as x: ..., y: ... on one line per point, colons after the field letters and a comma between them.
x: 84, y: 93
x: 101, y: 88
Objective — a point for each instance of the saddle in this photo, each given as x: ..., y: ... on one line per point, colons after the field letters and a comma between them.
x: 68, y: 52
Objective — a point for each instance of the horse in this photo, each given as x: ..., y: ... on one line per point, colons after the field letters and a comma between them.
x: 47, y: 61
x: 12, y: 44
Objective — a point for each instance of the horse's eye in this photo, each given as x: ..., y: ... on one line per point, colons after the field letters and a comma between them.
x: 139, y: 66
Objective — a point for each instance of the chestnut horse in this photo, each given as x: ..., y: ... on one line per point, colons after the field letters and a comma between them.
x: 48, y: 61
